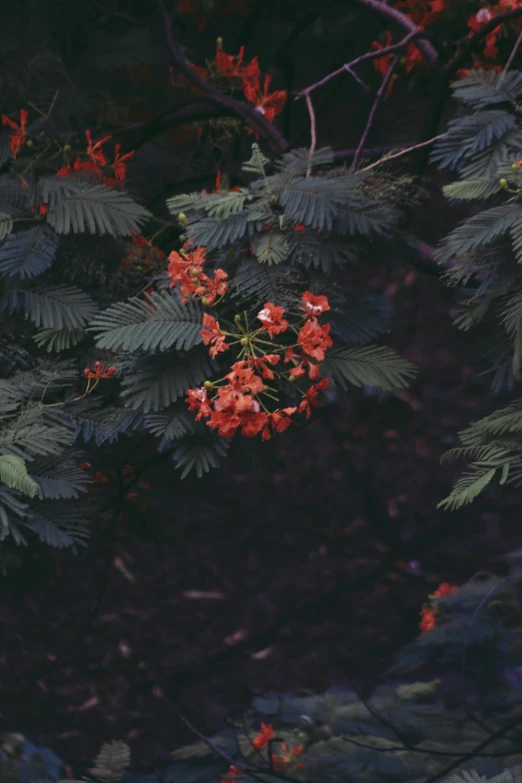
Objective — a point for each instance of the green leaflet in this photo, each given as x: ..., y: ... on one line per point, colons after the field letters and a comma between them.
x: 365, y: 365
x: 58, y: 340
x: 155, y: 323
x: 29, y: 253
x: 13, y: 473
x: 270, y: 248
x: 200, y: 454
x: 78, y: 207
x: 59, y: 307
x: 112, y: 761
x: 6, y: 224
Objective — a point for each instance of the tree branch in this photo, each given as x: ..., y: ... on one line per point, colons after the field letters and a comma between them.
x: 376, y: 103
x: 432, y: 58
x: 250, y: 116
x: 348, y: 67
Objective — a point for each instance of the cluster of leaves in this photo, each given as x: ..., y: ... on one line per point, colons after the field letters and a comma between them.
x: 275, y: 237
x: 482, y: 255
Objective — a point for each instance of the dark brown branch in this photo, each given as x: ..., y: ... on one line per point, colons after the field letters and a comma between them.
x: 376, y: 103
x: 254, y: 119
x: 432, y: 58
x: 500, y: 19
x: 348, y: 67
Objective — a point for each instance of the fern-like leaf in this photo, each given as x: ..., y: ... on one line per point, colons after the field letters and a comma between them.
x: 13, y: 473
x: 372, y: 365
x: 59, y: 307
x: 29, y: 253
x: 155, y: 323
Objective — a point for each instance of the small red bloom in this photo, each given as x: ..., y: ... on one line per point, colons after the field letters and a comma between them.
x: 272, y: 319
x: 444, y: 589
x: 314, y: 305
x: 99, y: 372
x: 94, y: 151
x: 18, y: 137
x: 213, y: 336
x: 119, y: 165
x: 197, y: 400
x: 311, y: 397
x: 229, y: 64
x: 266, y: 734
x: 429, y: 620
x: 314, y: 339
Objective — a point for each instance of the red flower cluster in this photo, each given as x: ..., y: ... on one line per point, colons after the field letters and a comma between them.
x: 187, y: 268
x: 287, y: 757
x: 238, y: 405
x: 99, y: 372
x: 96, y: 162
x: 428, y: 614
x: 143, y: 251
x: 18, y: 135
x: 265, y: 102
x: 481, y: 18
x: 262, y: 739
x: 443, y: 590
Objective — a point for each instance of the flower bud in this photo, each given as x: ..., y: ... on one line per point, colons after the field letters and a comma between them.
x: 29, y: 142
x: 515, y: 167
x: 292, y: 378
x: 67, y: 148
x: 503, y: 183
x: 205, y: 300
x: 183, y: 219
x: 265, y: 388
x: 208, y: 385
x: 219, y: 43
x: 237, y: 318
x: 195, y: 271
x: 244, y: 341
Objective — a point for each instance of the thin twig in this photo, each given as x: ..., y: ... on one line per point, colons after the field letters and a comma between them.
x: 394, y: 15
x: 250, y: 116
x: 312, y: 133
x: 392, y: 49
x: 511, y: 56
x: 427, y: 752
x: 475, y: 751
x: 208, y: 742
x: 377, y: 102
x: 404, y: 152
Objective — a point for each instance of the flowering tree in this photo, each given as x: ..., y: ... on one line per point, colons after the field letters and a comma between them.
x: 196, y: 319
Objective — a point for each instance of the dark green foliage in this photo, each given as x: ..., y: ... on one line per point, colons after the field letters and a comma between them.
x: 484, y: 252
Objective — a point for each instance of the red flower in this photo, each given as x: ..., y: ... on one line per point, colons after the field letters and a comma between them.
x: 18, y: 137
x: 314, y: 305
x: 444, y: 589
x: 272, y: 319
x: 229, y: 64
x: 266, y: 734
x: 197, y: 400
x: 260, y: 363
x: 279, y: 421
x: 429, y: 620
x: 94, y: 151
x: 99, y: 372
x: 268, y: 104
x: 213, y: 336
x: 232, y: 773
x: 314, y: 340
x: 311, y: 397
x: 43, y: 209
x: 119, y: 167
